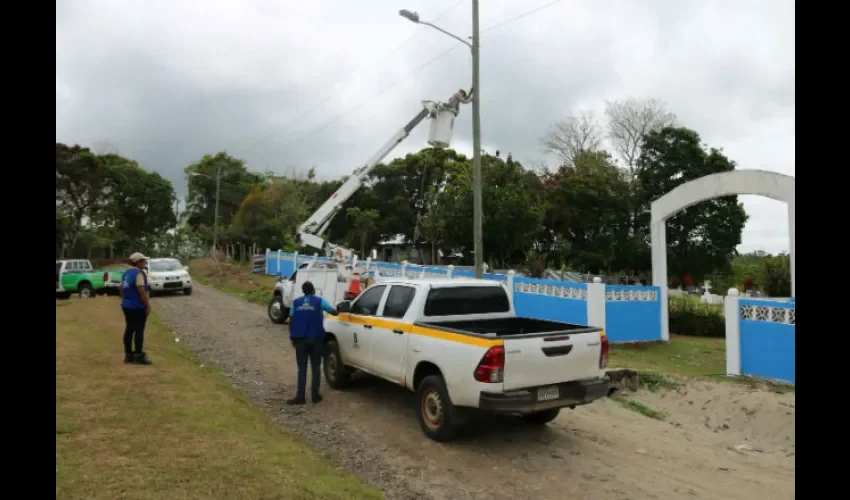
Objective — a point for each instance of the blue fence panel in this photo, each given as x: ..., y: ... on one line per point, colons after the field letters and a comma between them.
x: 632, y: 313
x: 768, y: 334
x: 497, y: 277
x: 553, y: 300
x: 463, y: 273
x: 271, y: 263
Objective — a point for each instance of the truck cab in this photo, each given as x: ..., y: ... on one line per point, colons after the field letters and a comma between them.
x: 459, y: 344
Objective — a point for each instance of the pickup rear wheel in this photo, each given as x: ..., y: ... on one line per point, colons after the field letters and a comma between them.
x: 277, y: 312
x: 337, y: 374
x: 437, y: 415
x: 542, y: 417
x: 86, y: 291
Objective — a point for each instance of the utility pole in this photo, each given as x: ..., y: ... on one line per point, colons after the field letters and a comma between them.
x: 477, y: 224
x: 215, y: 223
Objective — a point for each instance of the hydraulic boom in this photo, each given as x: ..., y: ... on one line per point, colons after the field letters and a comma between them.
x: 442, y: 115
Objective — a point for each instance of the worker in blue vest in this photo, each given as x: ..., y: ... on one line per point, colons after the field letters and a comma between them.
x: 307, y: 334
x: 136, y: 304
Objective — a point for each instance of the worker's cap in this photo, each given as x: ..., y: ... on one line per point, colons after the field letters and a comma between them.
x: 136, y: 257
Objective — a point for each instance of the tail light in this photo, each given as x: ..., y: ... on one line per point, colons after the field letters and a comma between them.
x: 491, y: 368
x: 603, y: 352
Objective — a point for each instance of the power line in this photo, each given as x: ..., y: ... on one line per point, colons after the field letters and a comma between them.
x: 409, y: 74
x: 332, y: 95
x: 520, y: 16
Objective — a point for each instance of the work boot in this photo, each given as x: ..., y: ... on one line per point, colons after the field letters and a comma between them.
x: 317, y: 399
x: 296, y: 401
x: 141, y: 358
x: 128, y: 357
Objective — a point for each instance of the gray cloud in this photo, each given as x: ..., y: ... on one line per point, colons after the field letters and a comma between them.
x: 170, y: 81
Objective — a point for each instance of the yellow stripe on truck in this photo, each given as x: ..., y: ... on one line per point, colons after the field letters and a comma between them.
x: 417, y: 330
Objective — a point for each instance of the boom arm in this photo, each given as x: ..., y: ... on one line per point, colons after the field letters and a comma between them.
x: 309, y: 233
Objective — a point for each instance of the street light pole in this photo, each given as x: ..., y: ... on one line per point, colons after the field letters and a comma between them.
x: 217, y: 196
x: 215, y: 222
x: 477, y: 224
x: 477, y: 209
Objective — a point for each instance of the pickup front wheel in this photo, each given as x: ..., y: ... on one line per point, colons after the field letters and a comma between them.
x: 437, y: 415
x: 277, y: 311
x: 542, y: 417
x: 337, y: 374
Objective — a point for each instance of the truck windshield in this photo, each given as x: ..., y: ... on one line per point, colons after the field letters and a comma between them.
x: 159, y: 266
x: 460, y: 300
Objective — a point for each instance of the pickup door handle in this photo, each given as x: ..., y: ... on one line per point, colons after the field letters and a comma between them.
x: 557, y: 351
x: 368, y: 326
x: 398, y: 331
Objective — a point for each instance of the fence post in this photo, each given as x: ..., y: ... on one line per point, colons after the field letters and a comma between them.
x: 368, y: 265
x: 294, y: 262
x: 266, y: 263
x: 279, y: 257
x: 404, y: 269
x: 733, y: 332
x: 315, y: 257
x: 510, y: 282
x: 450, y: 271
x: 422, y: 274
x: 596, y: 303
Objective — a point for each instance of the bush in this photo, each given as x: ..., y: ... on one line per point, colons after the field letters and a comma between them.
x: 688, y: 316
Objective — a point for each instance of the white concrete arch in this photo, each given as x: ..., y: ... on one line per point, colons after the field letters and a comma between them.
x: 772, y: 185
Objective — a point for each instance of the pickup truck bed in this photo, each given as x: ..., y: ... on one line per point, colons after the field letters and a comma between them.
x: 501, y: 327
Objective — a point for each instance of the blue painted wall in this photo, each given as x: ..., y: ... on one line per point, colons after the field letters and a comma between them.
x: 632, y: 319
x: 767, y: 347
x: 540, y: 306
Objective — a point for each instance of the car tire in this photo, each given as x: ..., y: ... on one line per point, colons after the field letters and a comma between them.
x: 337, y: 375
x: 187, y: 291
x: 542, y: 417
x: 278, y: 313
x: 437, y: 414
x: 86, y: 291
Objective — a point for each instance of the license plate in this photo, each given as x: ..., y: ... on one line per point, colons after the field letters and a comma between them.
x: 547, y: 393
x: 173, y: 285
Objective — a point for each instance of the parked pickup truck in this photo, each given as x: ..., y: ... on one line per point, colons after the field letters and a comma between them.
x: 77, y: 276
x: 458, y: 344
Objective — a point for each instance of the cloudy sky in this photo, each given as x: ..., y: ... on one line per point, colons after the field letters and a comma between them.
x: 290, y: 84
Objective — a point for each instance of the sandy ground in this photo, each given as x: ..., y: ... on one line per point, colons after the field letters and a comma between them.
x: 719, y: 440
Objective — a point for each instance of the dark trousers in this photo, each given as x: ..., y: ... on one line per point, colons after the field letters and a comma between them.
x: 135, y: 320
x: 308, y: 349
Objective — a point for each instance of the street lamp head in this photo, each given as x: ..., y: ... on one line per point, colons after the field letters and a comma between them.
x: 412, y: 16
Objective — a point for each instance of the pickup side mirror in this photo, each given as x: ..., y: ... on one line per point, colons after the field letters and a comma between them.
x: 185, y: 268
x: 344, y: 306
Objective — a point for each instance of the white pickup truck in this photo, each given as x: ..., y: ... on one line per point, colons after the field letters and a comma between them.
x: 459, y: 344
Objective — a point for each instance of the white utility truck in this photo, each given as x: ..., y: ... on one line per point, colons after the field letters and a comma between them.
x: 459, y: 344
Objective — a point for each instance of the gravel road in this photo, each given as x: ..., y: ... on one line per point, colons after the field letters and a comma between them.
x: 598, y: 451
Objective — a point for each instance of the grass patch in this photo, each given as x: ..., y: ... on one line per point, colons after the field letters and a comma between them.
x: 235, y: 279
x: 171, y: 430
x: 654, y: 382
x: 688, y: 356
x: 641, y: 408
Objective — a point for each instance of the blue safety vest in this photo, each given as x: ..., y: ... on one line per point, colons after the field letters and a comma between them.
x: 130, y: 294
x: 307, y: 320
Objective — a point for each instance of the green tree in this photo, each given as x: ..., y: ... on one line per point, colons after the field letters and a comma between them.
x: 137, y: 204
x: 363, y: 223
x: 513, y: 209
x: 702, y: 237
x: 80, y: 178
x: 587, y: 206
x: 236, y: 183
x: 271, y: 214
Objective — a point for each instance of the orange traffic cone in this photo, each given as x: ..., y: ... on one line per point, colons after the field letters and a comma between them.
x: 353, y: 285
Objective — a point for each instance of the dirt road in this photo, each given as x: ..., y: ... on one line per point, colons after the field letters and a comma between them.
x: 600, y: 451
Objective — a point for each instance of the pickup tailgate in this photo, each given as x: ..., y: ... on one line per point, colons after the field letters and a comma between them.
x: 532, y: 361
